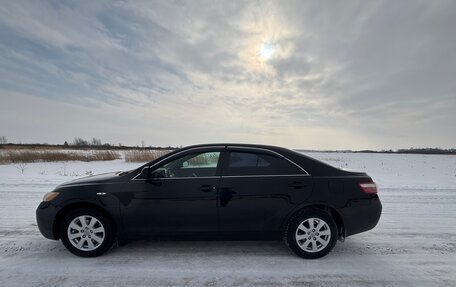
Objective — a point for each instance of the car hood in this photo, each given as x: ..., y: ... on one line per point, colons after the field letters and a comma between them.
x: 94, y: 179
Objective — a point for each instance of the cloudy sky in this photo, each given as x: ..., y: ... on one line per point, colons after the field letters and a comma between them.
x: 302, y: 74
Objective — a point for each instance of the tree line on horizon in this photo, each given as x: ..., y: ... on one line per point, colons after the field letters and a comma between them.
x: 79, y: 142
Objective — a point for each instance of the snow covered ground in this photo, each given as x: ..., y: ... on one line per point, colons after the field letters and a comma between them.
x: 414, y: 243
x: 407, y: 171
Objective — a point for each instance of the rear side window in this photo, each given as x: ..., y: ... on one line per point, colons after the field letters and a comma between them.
x: 246, y: 163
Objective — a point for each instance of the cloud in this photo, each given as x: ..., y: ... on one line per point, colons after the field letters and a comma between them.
x: 341, y: 75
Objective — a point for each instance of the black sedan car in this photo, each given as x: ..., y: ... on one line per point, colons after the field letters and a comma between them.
x: 224, y: 191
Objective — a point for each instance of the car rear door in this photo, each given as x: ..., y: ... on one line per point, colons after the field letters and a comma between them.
x: 258, y: 188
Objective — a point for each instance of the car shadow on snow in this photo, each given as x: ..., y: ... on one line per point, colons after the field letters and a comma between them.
x: 185, y: 248
x: 213, y: 248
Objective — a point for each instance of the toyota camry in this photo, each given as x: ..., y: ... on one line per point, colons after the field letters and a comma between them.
x: 221, y: 191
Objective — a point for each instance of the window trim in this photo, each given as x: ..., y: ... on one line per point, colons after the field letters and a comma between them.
x: 186, y: 177
x: 264, y: 175
x: 223, y: 160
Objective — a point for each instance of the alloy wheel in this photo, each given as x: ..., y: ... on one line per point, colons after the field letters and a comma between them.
x: 313, y: 235
x: 86, y: 233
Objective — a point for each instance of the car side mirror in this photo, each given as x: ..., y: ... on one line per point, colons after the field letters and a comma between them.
x: 145, y: 172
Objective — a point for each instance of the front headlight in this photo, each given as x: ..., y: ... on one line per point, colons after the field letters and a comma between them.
x: 50, y: 195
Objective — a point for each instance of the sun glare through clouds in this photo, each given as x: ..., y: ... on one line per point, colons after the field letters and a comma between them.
x: 266, y: 51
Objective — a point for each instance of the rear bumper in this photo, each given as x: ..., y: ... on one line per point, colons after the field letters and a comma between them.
x: 45, y: 216
x: 361, y: 215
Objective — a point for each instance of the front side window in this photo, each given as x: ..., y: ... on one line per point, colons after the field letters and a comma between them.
x: 191, y: 165
x: 247, y: 163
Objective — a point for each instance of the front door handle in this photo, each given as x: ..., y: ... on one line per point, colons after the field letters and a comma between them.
x: 154, y: 181
x: 207, y: 187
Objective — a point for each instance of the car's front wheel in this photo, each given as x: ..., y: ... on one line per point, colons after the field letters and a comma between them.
x: 86, y: 232
x: 312, y: 233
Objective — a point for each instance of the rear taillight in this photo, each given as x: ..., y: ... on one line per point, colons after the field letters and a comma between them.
x: 368, y: 187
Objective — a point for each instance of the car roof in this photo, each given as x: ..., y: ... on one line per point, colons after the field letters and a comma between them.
x: 271, y: 147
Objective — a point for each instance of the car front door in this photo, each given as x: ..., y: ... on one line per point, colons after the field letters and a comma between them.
x: 180, y: 196
x: 258, y: 189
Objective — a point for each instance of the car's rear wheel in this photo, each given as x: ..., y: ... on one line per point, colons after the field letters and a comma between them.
x: 86, y: 232
x: 312, y: 233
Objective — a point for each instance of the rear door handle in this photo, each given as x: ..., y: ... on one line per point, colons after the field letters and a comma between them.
x: 207, y: 187
x: 296, y: 185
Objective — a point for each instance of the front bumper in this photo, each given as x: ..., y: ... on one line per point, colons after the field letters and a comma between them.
x: 45, y: 217
x: 361, y: 215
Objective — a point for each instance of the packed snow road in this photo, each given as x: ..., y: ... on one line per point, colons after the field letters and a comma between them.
x: 414, y: 244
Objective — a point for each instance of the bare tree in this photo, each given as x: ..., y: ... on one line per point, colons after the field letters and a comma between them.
x: 21, y: 167
x: 96, y: 142
x: 80, y: 142
x: 3, y: 140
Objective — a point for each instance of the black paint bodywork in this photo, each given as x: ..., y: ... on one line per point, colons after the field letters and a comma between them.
x: 225, y: 206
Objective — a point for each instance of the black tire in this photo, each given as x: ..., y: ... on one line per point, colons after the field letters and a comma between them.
x: 301, y: 247
x: 101, y: 247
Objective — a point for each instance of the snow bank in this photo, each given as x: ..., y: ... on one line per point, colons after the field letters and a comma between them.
x: 47, y: 175
x: 409, y: 171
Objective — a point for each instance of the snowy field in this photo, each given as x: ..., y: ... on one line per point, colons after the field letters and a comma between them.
x: 414, y: 243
